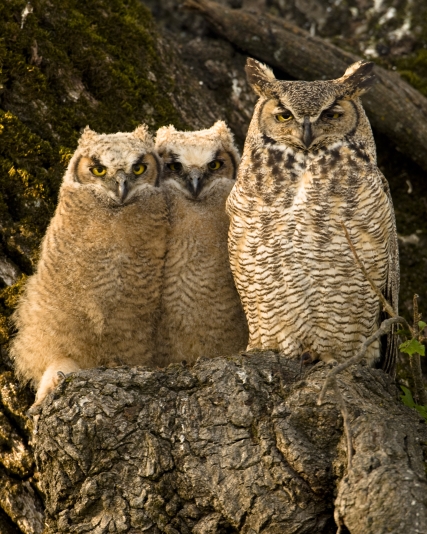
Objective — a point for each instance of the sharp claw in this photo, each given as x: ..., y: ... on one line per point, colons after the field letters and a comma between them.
x: 34, y: 410
x: 61, y: 375
x: 306, y: 358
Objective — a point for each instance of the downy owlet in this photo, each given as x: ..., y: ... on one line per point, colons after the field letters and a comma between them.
x: 309, y: 166
x: 95, y: 296
x: 201, y: 310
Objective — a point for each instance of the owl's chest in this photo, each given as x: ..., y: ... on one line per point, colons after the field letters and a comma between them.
x: 301, y: 210
x: 104, y: 239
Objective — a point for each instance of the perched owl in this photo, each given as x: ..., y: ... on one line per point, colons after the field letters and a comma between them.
x: 309, y: 165
x: 95, y: 297
x: 201, y: 310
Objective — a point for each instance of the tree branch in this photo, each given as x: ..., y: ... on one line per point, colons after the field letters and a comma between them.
x: 393, y: 106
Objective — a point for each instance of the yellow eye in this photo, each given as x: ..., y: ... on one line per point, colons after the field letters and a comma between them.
x: 175, y: 167
x: 284, y: 117
x: 215, y: 165
x: 139, y: 168
x: 98, y: 171
x: 331, y: 115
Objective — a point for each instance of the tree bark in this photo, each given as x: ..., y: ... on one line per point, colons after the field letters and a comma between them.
x: 21, y: 508
x: 231, y: 445
x: 393, y: 106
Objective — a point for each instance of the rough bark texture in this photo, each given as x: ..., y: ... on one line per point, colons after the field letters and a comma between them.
x: 230, y: 445
x: 21, y: 508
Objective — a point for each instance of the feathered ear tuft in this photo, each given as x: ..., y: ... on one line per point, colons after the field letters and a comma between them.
x: 259, y: 76
x: 357, y: 79
x: 227, y: 139
x: 142, y: 133
x: 87, y: 135
x: 223, y: 131
x: 163, y: 134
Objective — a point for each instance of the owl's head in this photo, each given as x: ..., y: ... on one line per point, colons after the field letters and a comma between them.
x: 116, y: 166
x: 195, y: 161
x: 309, y: 115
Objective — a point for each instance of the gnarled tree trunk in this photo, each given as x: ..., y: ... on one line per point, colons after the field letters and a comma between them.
x: 231, y: 445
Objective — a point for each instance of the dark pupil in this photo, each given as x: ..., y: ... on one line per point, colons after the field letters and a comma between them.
x: 175, y: 166
x: 286, y: 115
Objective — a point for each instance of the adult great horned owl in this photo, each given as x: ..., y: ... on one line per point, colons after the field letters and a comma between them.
x: 95, y: 296
x: 201, y: 310
x: 309, y: 165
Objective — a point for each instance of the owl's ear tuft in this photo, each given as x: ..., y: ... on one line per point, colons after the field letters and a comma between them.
x: 222, y: 130
x: 87, y: 135
x: 141, y: 132
x: 227, y: 139
x: 357, y: 79
x: 164, y: 135
x: 258, y: 75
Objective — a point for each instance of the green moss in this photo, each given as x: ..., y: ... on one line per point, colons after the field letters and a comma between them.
x: 73, y: 63
x: 414, y: 69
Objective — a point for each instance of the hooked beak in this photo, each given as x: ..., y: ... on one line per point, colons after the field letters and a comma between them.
x: 307, y: 135
x: 122, y: 185
x: 195, y: 181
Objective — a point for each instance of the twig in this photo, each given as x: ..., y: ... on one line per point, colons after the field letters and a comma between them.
x: 415, y: 360
x: 331, y: 380
x: 383, y: 300
x: 346, y: 422
x: 383, y: 329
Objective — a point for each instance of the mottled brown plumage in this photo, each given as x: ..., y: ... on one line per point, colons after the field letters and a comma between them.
x: 201, y: 310
x: 94, y: 299
x: 309, y: 164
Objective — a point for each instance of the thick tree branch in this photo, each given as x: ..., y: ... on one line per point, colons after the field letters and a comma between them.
x: 394, y: 107
x: 231, y: 445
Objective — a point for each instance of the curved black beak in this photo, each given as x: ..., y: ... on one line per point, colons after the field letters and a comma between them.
x: 307, y: 135
x: 194, y: 182
x: 122, y: 186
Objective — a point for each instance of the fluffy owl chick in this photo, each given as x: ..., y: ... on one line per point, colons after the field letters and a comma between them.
x: 309, y: 165
x: 94, y: 298
x: 201, y: 310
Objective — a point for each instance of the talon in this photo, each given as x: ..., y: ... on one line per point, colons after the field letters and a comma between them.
x: 34, y: 410
x: 306, y: 358
x: 61, y: 375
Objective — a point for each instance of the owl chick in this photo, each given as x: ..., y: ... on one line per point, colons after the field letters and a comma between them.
x: 201, y: 310
x: 95, y: 296
x: 309, y: 165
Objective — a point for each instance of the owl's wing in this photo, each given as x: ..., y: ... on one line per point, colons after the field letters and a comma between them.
x: 390, y: 343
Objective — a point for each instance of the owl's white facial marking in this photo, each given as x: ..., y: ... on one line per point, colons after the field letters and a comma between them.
x: 195, y: 171
x: 118, y: 175
x: 115, y: 167
x: 282, y: 124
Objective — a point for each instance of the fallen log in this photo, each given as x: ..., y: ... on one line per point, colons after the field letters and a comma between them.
x: 231, y: 445
x: 394, y: 107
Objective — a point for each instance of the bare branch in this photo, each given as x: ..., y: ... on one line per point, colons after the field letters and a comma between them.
x: 346, y: 422
x: 383, y: 300
x: 383, y: 329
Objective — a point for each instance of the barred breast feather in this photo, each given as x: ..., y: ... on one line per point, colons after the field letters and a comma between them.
x: 308, y: 168
x: 292, y: 264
